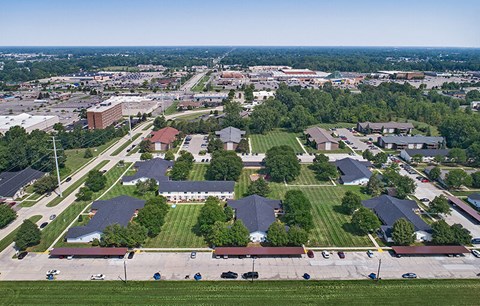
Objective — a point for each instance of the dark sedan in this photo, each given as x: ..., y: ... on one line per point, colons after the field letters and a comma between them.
x: 229, y: 275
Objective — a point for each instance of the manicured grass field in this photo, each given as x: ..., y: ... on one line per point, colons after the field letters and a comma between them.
x: 198, y: 172
x: 307, y: 177
x: 201, y: 83
x: 178, y: 230
x: 126, y: 144
x: 57, y: 226
x: 335, y: 125
x: 332, y: 227
x: 172, y: 108
x: 385, y: 292
x: 149, y: 126
x: 261, y: 143
x: 243, y: 182
x: 193, y: 116
x: 7, y: 240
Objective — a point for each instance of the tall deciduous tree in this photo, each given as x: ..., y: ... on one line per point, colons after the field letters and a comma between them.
x: 27, y: 235
x: 210, y: 213
x: 439, y: 205
x: 277, y: 234
x: 403, y: 232
x: 152, y: 216
x: 351, y: 202
x: 7, y: 215
x: 95, y: 180
x: 374, y: 186
x: 456, y: 178
x: 224, y: 166
x: 298, y: 210
x: 365, y: 220
x: 258, y: 187
x: 282, y: 164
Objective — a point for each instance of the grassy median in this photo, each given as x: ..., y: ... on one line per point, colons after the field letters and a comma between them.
x: 406, y: 292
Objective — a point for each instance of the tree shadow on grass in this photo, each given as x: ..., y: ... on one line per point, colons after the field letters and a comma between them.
x: 350, y: 228
x: 339, y: 209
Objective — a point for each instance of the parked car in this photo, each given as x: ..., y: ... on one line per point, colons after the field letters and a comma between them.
x: 326, y: 254
x: 53, y: 217
x: 310, y: 254
x: 193, y: 255
x: 341, y: 254
x: 43, y: 224
x: 69, y: 257
x: 97, y: 277
x: 476, y: 241
x: 229, y: 275
x: 53, y: 272
x: 250, y: 275
x: 424, y: 180
x: 370, y: 253
x: 22, y: 255
x: 409, y: 275
x: 424, y: 200
x: 130, y: 255
x: 476, y: 253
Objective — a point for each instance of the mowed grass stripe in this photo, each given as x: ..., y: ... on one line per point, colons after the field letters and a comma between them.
x: 198, y: 172
x: 261, y: 143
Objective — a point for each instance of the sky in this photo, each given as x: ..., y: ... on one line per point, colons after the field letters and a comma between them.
x: 435, y: 23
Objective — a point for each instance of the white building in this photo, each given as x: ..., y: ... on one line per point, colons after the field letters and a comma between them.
x: 263, y: 95
x: 179, y: 191
x: 28, y: 122
x: 132, y: 105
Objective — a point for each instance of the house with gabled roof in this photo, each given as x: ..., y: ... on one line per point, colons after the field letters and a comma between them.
x: 163, y: 139
x: 390, y: 209
x: 230, y: 137
x: 321, y: 139
x: 353, y: 172
x: 13, y: 183
x: 155, y: 168
x: 257, y: 214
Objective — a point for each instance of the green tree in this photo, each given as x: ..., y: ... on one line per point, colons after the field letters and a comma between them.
x: 351, y: 202
x: 180, y: 171
x: 95, y: 180
x: 242, y: 146
x: 403, y: 232
x: 169, y: 155
x: 45, y: 184
x: 224, y: 166
x: 298, y: 210
x: 282, y: 164
x: 475, y: 179
x: 457, y: 155
x: 277, y: 234
x: 210, y: 213
x: 456, y: 178
x: 239, y: 234
x: 7, y: 215
x: 148, y: 185
x: 159, y: 123
x: 146, y: 156
x: 258, y: 187
x: 380, y: 159
x: 365, y: 220
x: 136, y: 235
x: 324, y: 171
x: 435, y: 173
x: 215, y: 144
x: 441, y: 233
x: 145, y: 146
x: 439, y: 205
x: 88, y: 153
x: 218, y: 234
x: 374, y: 186
x: 152, y: 216
x: 368, y: 155
x: 84, y: 194
x: 299, y: 118
x: 417, y: 158
x: 229, y: 213
x: 297, y: 236
x: 460, y: 234
x: 27, y: 235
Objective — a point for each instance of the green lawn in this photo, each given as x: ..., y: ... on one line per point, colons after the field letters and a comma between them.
x: 74, y: 186
x: 191, y: 117
x: 295, y: 292
x: 178, y: 230
x: 198, y: 172
x: 149, y: 126
x: 243, y: 182
x: 172, y: 108
x: 307, y: 177
x: 332, y: 228
x: 201, y: 83
x: 261, y: 143
x: 57, y: 226
x: 125, y: 145
x: 335, y: 125
x: 7, y: 240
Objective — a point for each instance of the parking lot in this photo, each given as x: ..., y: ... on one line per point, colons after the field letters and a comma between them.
x: 175, y: 266
x: 356, y: 143
x: 195, y: 143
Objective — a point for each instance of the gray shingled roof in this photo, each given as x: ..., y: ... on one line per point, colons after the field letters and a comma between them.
x: 353, y: 169
x: 196, y: 186
x: 429, y: 140
x: 474, y: 196
x: 11, y: 182
x: 154, y: 168
x: 118, y: 210
x: 386, y: 125
x: 230, y: 134
x: 427, y: 152
x: 390, y: 209
x: 320, y: 135
x: 256, y: 212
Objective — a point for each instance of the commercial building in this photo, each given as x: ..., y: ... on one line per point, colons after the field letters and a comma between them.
x: 196, y: 190
x: 411, y: 142
x: 119, y: 210
x: 104, y: 114
x: 427, y: 155
x: 263, y: 95
x: 257, y: 214
x: 353, y: 172
x: 321, y: 139
x: 230, y: 137
x: 28, y: 122
x: 163, y: 139
x: 12, y: 184
x: 390, y: 209
x: 385, y: 127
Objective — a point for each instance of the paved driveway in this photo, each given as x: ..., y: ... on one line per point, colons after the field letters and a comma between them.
x: 356, y: 141
x: 195, y: 145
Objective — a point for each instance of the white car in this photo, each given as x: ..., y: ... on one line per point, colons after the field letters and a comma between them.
x: 326, y: 254
x: 370, y: 253
x: 476, y: 253
x: 97, y: 277
x: 69, y: 257
x: 53, y: 272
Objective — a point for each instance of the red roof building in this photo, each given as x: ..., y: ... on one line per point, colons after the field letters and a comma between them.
x: 163, y: 139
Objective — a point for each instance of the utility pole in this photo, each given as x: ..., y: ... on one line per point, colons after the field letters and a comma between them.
x: 125, y: 270
x: 56, y: 164
x: 378, y: 272
x: 253, y: 268
x: 130, y: 126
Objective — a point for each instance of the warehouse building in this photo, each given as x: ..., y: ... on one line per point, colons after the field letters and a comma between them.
x: 28, y: 122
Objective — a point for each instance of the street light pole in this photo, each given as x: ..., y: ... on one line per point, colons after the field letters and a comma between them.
x: 253, y: 268
x: 378, y: 272
x: 125, y: 270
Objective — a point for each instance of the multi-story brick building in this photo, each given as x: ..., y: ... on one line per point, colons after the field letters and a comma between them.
x: 104, y: 114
